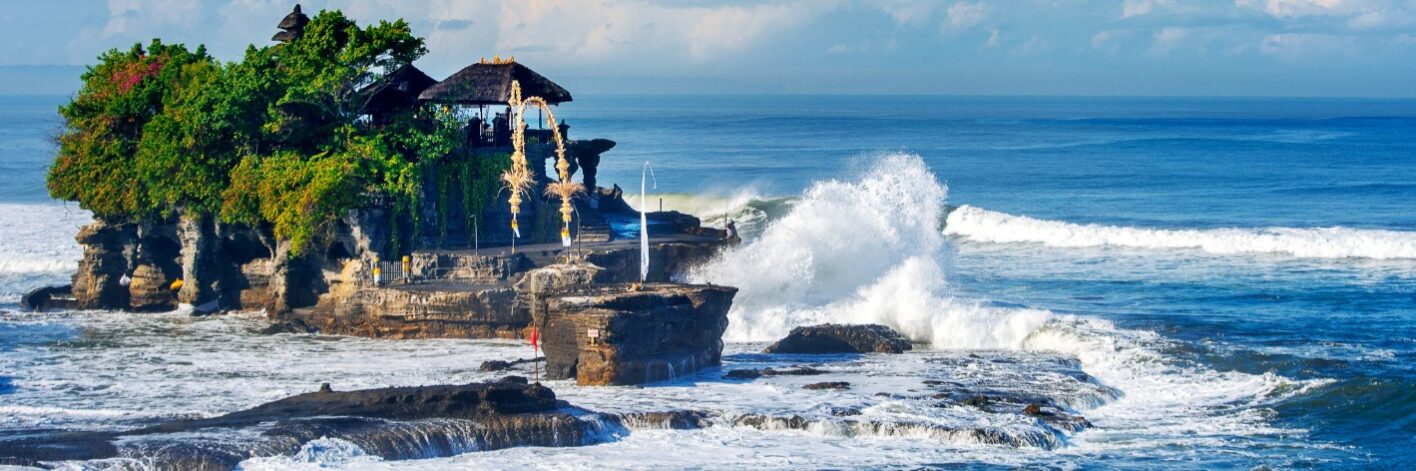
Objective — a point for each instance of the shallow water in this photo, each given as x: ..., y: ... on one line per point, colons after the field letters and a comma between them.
x: 1212, y: 283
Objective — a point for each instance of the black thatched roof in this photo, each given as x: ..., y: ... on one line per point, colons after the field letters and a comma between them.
x: 489, y: 84
x: 293, y: 26
x: 395, y: 91
x: 294, y: 20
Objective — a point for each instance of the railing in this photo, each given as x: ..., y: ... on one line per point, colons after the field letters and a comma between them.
x: 388, y: 274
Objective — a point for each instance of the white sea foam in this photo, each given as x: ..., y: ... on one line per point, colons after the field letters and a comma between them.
x: 322, y: 453
x: 983, y: 225
x: 864, y: 251
x: 38, y: 246
x: 870, y: 251
x: 39, y: 237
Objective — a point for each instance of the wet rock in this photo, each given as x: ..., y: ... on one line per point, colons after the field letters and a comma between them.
x: 838, y: 338
x: 612, y: 334
x: 792, y: 371
x: 674, y: 420
x: 394, y: 423
x: 743, y: 374
x: 48, y: 297
x: 294, y: 326
x: 979, y: 401
x: 828, y: 385
x: 845, y: 411
x: 494, y: 365
x: 1044, y: 439
x: 1054, y: 417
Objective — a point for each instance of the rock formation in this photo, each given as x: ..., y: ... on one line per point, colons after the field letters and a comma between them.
x: 836, y: 338
x: 394, y: 423
x: 618, y: 334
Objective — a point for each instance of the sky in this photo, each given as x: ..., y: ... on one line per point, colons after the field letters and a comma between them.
x: 1337, y: 48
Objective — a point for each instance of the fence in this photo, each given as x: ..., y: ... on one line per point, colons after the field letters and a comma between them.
x: 388, y: 273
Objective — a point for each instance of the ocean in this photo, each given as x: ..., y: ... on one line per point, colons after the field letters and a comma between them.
x: 1214, y: 283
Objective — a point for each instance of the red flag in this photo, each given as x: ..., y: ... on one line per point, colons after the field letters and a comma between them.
x: 534, y: 339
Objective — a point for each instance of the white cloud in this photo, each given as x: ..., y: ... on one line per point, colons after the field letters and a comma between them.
x: 1295, y: 8
x: 909, y: 12
x: 1167, y: 39
x: 1101, y: 38
x: 965, y: 15
x: 1293, y: 46
x: 1132, y: 8
x: 137, y: 16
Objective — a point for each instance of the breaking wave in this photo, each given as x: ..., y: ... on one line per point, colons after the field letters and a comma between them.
x: 870, y: 251
x: 39, y: 247
x: 863, y: 251
x: 983, y: 225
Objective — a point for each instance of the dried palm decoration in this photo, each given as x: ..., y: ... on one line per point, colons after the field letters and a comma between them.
x: 518, y: 177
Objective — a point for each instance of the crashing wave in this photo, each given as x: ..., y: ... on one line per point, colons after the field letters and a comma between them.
x: 982, y: 225
x: 870, y: 251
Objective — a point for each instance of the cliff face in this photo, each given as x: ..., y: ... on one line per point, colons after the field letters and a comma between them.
x: 132, y: 266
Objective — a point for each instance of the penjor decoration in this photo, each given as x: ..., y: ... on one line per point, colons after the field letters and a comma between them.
x: 518, y: 178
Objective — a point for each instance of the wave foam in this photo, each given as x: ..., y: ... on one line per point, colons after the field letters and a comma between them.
x: 870, y: 251
x: 39, y: 238
x: 984, y: 225
x: 865, y: 251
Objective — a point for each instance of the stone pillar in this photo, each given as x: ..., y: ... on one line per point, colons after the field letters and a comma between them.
x: 200, y: 247
x: 97, y: 282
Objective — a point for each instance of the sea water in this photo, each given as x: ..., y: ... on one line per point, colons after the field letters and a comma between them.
x: 1213, y: 283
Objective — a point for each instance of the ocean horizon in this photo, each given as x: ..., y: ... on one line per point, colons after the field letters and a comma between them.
x: 1212, y: 282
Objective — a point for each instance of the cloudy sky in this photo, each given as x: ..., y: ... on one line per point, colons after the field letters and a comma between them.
x: 1039, y: 47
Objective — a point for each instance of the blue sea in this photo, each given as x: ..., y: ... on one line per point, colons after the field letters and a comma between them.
x: 1214, y: 283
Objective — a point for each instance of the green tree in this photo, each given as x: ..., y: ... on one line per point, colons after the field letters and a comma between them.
x: 274, y: 139
x: 104, y: 124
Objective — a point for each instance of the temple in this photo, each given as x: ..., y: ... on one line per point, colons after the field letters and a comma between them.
x: 459, y: 265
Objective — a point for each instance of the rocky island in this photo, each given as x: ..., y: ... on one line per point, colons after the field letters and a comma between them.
x: 344, y: 200
x: 326, y: 182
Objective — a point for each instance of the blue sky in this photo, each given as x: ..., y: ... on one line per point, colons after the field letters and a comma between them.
x: 1030, y: 47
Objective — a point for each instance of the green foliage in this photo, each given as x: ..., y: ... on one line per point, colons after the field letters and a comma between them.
x: 273, y: 139
x: 299, y: 196
x: 104, y: 126
x: 477, y: 181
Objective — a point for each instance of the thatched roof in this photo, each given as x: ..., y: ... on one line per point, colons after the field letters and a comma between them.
x: 395, y: 91
x: 490, y: 84
x: 294, y: 20
x: 292, y: 26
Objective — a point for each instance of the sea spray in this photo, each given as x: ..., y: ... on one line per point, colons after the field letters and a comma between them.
x: 871, y: 251
x: 983, y: 225
x: 862, y: 251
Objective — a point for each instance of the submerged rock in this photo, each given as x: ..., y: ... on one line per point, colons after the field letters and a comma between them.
x: 792, y: 371
x: 494, y: 365
x: 832, y: 385
x: 294, y: 326
x: 841, y: 338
